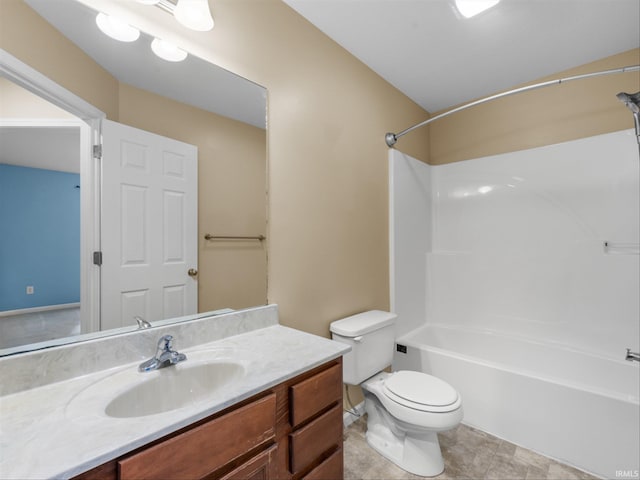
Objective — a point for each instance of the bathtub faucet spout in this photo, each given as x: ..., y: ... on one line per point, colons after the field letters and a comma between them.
x: 632, y: 356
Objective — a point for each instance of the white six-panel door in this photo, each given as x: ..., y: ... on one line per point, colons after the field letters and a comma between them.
x: 148, y: 226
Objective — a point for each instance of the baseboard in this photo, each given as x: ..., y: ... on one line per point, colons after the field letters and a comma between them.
x: 348, y: 418
x: 46, y: 308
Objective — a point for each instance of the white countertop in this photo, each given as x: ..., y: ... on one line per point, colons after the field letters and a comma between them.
x: 59, y: 430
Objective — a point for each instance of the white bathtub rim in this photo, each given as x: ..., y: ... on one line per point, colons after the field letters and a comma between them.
x: 522, y: 338
x: 406, y: 340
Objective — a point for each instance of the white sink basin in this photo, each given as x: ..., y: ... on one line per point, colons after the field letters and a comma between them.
x: 173, y: 387
x: 128, y: 393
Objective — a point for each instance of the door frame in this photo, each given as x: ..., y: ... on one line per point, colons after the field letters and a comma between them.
x: 90, y: 134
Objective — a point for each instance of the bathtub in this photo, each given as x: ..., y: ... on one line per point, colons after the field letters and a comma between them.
x: 580, y: 409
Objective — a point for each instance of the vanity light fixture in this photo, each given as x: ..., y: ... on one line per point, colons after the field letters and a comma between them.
x: 194, y: 14
x: 167, y: 50
x: 116, y: 28
x: 122, y: 31
x: 471, y: 8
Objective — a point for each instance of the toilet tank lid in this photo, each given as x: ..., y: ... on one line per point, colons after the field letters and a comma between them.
x: 362, y: 323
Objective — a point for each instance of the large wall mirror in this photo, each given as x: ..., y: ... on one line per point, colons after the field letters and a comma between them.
x: 204, y: 126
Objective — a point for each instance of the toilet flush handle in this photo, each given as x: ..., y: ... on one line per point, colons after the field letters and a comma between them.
x: 357, y: 339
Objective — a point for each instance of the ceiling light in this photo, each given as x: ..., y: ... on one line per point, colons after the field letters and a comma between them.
x: 116, y: 28
x: 470, y: 8
x: 194, y: 14
x: 167, y: 50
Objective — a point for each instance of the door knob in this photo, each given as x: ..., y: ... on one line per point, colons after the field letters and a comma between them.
x: 192, y: 272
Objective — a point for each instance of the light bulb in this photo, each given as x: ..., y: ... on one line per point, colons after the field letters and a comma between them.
x: 470, y: 8
x: 116, y: 28
x: 167, y: 50
x: 194, y: 14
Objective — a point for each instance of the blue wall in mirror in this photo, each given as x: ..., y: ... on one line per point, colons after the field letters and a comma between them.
x: 39, y: 237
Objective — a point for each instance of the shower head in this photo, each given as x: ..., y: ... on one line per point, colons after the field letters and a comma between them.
x: 631, y: 100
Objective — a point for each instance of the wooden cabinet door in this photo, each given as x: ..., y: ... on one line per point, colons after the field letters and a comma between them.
x: 331, y: 468
x: 260, y: 467
x: 197, y: 453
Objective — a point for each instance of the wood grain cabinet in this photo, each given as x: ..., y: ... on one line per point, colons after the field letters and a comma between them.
x: 291, y: 431
x: 316, y: 418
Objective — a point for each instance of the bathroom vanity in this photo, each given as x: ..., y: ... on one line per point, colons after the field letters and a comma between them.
x: 292, y: 430
x: 274, y: 409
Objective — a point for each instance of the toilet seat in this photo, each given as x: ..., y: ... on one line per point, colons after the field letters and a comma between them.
x: 421, y: 391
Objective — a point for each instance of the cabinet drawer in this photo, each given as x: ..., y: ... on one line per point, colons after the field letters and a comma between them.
x: 331, y: 469
x: 204, y: 449
x: 313, y: 394
x: 314, y: 439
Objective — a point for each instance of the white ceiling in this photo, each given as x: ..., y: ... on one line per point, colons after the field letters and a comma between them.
x: 50, y: 148
x: 439, y: 59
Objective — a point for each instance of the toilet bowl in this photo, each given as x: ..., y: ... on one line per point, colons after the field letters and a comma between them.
x: 404, y: 416
x: 405, y: 409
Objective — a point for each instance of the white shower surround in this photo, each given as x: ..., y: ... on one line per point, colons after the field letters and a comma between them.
x: 513, y: 245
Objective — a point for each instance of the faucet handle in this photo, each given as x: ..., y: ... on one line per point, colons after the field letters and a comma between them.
x: 164, y: 344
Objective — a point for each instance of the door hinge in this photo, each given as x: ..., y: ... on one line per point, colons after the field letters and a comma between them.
x: 97, y: 258
x: 97, y: 152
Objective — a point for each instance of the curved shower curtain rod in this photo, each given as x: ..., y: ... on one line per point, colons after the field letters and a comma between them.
x: 392, y: 138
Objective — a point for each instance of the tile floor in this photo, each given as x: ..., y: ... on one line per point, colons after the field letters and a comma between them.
x: 468, y: 453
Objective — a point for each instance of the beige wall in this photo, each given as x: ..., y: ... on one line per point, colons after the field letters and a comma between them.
x: 327, y: 175
x: 328, y: 114
x: 569, y: 111
x: 16, y: 102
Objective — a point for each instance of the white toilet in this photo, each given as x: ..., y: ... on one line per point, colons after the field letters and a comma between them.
x: 405, y: 409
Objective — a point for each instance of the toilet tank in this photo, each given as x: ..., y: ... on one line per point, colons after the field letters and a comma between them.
x: 371, y: 337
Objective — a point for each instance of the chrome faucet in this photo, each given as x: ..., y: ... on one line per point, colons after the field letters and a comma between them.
x: 164, y: 357
x: 142, y: 323
x: 632, y: 356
